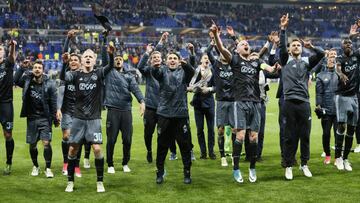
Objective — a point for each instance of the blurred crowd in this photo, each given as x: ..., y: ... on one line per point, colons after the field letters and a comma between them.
x: 313, y: 20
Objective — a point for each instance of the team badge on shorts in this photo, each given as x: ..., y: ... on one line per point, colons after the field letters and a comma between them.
x: 9, y: 125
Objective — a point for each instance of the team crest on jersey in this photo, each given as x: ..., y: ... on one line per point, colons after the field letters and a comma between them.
x: 254, y: 63
x: 2, y: 75
x: 185, y: 129
x: 71, y: 88
x: 354, y: 58
x: 94, y: 77
x: 326, y: 79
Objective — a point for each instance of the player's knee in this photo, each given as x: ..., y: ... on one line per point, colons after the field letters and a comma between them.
x: 46, y: 143
x: 8, y: 136
x: 253, y: 137
x: 33, y: 146
x: 73, y: 149
x: 341, y: 128
x: 221, y: 131
x: 66, y: 135
x: 240, y: 135
x: 97, y: 151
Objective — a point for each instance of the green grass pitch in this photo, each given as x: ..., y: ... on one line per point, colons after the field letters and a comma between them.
x: 211, y: 182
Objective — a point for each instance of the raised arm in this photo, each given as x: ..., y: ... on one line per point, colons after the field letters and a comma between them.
x: 354, y: 30
x: 188, y: 69
x: 110, y: 50
x: 209, y: 53
x: 272, y: 60
x: 65, y: 65
x: 192, y: 58
x: 104, y: 55
x: 227, y: 55
x: 319, y: 53
x: 12, y: 52
x: 264, y: 49
x: 284, y: 55
x: 353, y: 34
x: 71, y: 34
x: 20, y: 75
x: 230, y: 31
x: 143, y: 68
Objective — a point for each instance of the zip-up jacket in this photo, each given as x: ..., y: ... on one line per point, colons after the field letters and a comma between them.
x: 295, y: 72
x: 173, y: 85
x: 118, y: 89
x: 326, y: 85
x: 49, y: 94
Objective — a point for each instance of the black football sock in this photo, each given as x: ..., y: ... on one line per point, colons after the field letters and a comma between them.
x: 87, y: 150
x: 71, y: 167
x: 34, y: 154
x: 10, y: 144
x: 48, y: 155
x: 221, y: 140
x: 99, y: 164
x: 78, y: 157
x: 339, y: 144
x: 348, y: 145
x: 65, y: 150
x: 236, y: 153
x: 253, y: 152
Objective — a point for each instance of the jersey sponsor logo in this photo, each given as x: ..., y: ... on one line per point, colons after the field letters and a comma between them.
x: 94, y: 77
x: 225, y: 74
x: 71, y: 88
x: 248, y: 70
x: 35, y: 94
x: 350, y: 68
x: 85, y: 86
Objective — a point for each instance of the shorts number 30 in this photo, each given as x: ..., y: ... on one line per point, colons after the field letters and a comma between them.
x: 97, y: 137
